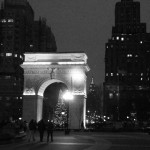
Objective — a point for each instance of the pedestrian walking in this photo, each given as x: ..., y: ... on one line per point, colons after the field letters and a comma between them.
x: 82, y: 126
x: 41, y: 129
x: 50, y: 129
x: 32, y: 129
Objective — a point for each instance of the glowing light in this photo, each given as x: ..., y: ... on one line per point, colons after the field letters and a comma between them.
x: 77, y: 75
x: 10, y: 20
x: 122, y: 39
x: 71, y: 63
x: 8, y: 54
x: 37, y: 63
x: 62, y: 113
x: 67, y: 96
x: 29, y: 92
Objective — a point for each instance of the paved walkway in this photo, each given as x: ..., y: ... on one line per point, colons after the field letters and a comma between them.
x: 73, y: 141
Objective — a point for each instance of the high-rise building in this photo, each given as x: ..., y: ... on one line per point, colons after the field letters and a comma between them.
x: 19, y: 33
x: 44, y: 40
x: 127, y: 65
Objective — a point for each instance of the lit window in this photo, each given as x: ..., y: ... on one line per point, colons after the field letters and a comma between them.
x: 117, y: 74
x: 141, y: 42
x: 15, y: 55
x: 106, y: 74
x: 110, y: 95
x: 21, y: 57
x: 31, y: 45
x: 117, y: 37
x: 7, y: 77
x: 141, y: 74
x: 141, y: 79
x: 8, y: 54
x: 3, y: 20
x: 111, y: 74
x: 1, y: 44
x: 129, y: 55
x: 136, y: 55
x: 10, y: 20
x: 122, y: 39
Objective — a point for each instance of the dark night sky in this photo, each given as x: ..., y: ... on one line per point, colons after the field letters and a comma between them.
x: 84, y: 25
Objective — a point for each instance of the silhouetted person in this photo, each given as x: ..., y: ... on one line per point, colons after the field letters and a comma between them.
x: 41, y: 128
x: 50, y: 128
x: 82, y: 126
x: 32, y: 129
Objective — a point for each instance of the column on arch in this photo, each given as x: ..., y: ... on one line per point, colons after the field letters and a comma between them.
x: 29, y: 107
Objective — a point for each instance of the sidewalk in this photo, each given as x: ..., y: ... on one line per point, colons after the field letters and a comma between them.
x: 72, y: 141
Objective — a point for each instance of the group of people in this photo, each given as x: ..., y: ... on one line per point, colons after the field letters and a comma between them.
x: 41, y: 126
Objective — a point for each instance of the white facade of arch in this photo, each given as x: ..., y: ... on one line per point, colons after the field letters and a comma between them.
x: 43, y: 69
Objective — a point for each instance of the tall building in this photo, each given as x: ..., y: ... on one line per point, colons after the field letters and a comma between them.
x: 92, y: 97
x: 19, y: 33
x: 44, y: 40
x: 127, y: 65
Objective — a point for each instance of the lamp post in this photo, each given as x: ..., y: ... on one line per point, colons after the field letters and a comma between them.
x: 67, y: 97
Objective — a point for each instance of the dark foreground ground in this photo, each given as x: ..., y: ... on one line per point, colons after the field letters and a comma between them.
x: 84, y: 141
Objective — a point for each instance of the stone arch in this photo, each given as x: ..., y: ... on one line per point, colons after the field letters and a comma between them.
x: 40, y: 93
x: 45, y: 84
x: 43, y: 69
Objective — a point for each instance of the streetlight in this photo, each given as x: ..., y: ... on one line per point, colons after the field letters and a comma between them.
x: 67, y: 96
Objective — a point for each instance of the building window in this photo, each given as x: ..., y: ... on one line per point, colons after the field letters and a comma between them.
x: 129, y: 55
x: 10, y: 20
x: 3, y: 20
x: 122, y: 39
x: 7, y: 77
x: 8, y: 54
x: 111, y: 74
x: 117, y: 37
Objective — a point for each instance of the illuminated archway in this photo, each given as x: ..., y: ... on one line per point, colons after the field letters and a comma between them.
x: 43, y: 69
